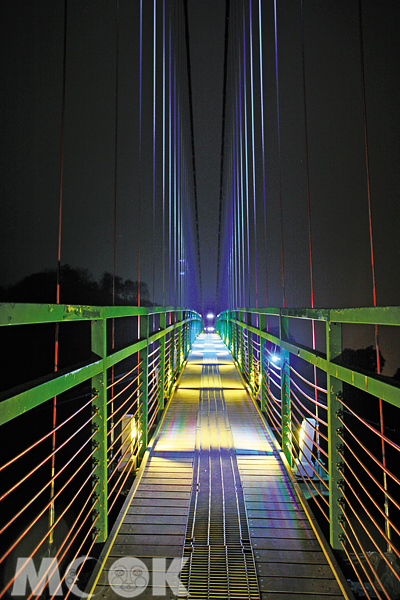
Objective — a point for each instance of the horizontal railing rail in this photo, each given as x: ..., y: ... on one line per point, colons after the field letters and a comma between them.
x: 337, y: 426
x: 71, y: 440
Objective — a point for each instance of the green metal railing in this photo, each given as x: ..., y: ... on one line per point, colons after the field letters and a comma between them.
x: 337, y: 425
x: 105, y: 409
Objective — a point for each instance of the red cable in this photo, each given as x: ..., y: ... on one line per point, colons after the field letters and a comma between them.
x: 50, y: 530
x: 117, y: 381
x: 38, y: 466
x: 379, y: 485
x: 43, y: 438
x: 367, y: 493
x: 89, y: 498
x: 378, y: 433
x: 358, y: 558
x: 361, y: 548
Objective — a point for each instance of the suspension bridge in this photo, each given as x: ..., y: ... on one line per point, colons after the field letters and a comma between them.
x: 202, y: 443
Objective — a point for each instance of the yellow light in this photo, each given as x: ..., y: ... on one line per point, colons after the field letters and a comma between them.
x: 302, y: 433
x: 128, y: 438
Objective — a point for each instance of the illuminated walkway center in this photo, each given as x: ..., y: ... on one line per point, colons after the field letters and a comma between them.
x: 213, y: 490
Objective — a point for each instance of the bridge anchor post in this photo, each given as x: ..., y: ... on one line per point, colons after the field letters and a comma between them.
x: 263, y: 370
x: 143, y: 391
x: 286, y: 414
x: 161, y: 397
x: 335, y: 390
x: 99, y: 425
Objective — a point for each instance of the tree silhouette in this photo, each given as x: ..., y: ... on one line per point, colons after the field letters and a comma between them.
x: 77, y: 286
x: 362, y: 358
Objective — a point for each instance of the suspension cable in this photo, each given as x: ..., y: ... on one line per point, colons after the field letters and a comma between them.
x: 221, y: 169
x: 154, y: 148
x: 279, y: 151
x: 263, y: 146
x: 189, y: 77
x: 57, y: 325
x: 163, y: 163
x: 246, y: 155
x: 140, y: 150
x: 253, y: 156
x: 378, y: 363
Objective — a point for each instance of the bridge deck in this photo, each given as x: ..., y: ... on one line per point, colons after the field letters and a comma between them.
x: 213, y: 490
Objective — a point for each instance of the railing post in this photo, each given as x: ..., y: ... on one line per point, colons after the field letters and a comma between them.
x: 185, y: 335
x: 191, y: 330
x: 143, y: 390
x: 163, y: 325
x: 285, y: 391
x: 249, y: 351
x: 237, y: 336
x: 179, y: 342
x: 170, y: 362
x: 232, y: 316
x: 99, y: 425
x: 263, y: 366
x: 229, y: 328
x: 224, y: 324
x: 335, y: 387
x: 242, y: 349
x: 233, y: 333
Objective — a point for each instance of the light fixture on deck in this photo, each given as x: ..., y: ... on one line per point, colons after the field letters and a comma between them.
x: 128, y: 438
x: 306, y: 442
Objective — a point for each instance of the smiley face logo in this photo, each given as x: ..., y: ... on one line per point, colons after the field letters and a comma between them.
x: 128, y: 576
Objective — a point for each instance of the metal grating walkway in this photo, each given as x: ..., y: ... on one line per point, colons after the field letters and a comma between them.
x: 214, y: 491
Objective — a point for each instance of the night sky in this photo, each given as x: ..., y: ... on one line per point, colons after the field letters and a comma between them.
x: 31, y: 100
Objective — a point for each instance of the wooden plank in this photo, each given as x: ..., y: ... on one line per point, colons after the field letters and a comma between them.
x: 282, y: 569
x: 271, y: 483
x: 273, y: 505
x: 167, y: 474
x: 286, y: 544
x: 300, y: 534
x: 151, y: 501
x: 170, y: 482
x: 170, y: 472
x: 160, y: 518
x: 269, y: 498
x: 257, y: 461
x: 264, y: 480
x: 152, y: 528
x: 298, y: 584
x: 105, y: 592
x: 289, y: 512
x: 289, y: 556
x: 158, y: 510
x: 294, y: 523
x: 257, y: 472
x: 146, y: 560
x: 171, y: 458
x: 164, y: 488
x: 151, y: 540
x: 296, y: 596
x: 165, y: 495
x: 146, y: 549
